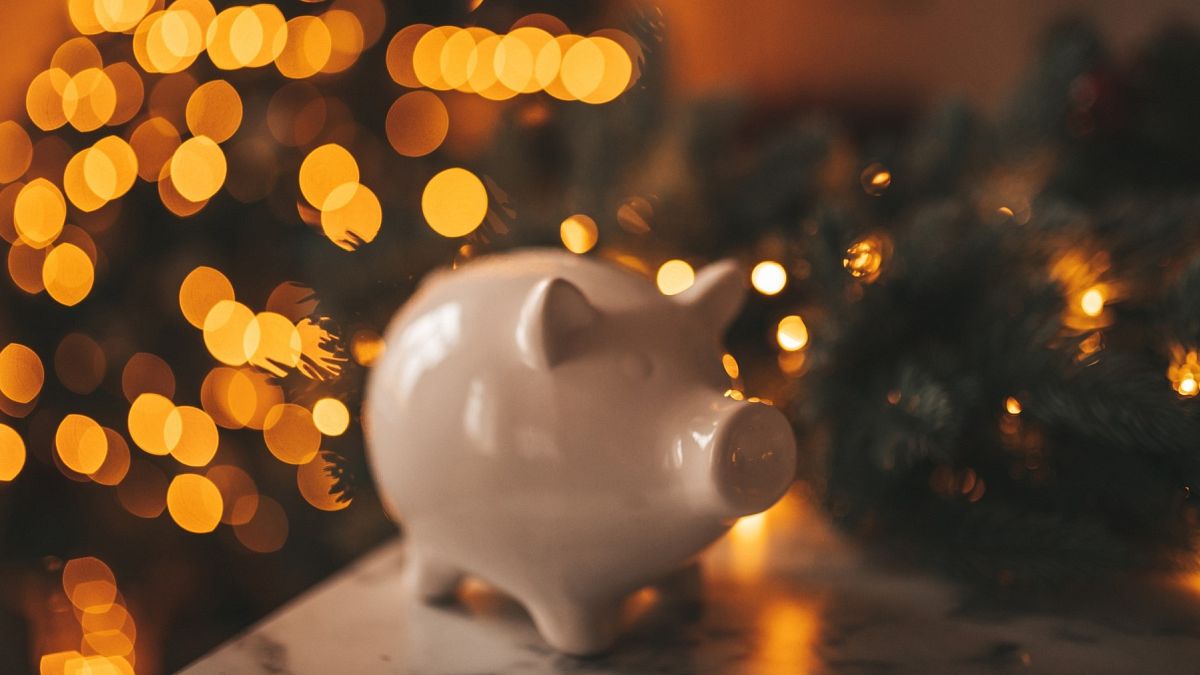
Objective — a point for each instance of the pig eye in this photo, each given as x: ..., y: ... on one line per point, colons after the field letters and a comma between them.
x: 637, y: 366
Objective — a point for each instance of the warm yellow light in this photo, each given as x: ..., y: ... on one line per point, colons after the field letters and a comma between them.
x: 731, y: 366
x: 307, y: 49
x: 116, y: 462
x: 81, y: 443
x: 89, y: 584
x: 89, y: 100
x: 202, y: 288
x: 792, y: 334
x: 315, y: 482
x: 399, y: 55
x: 225, y: 328
x: 324, y: 169
x: 417, y: 123
x: 1012, y: 405
x: 1092, y: 301
x: 68, y: 274
x: 348, y: 39
x: 614, y: 75
x: 875, y: 179
x: 21, y: 373
x: 864, y: 258
x: 16, y: 151
x: 290, y: 434
x: 271, y: 342
x: 214, y: 110
x: 12, y: 453
x: 198, y: 438
x: 579, y: 233
x: 355, y: 220
x: 194, y: 503
x: 366, y: 346
x: 198, y: 168
x: 1184, y: 371
x: 331, y: 416
x: 674, y: 277
x: 1188, y: 386
x: 44, y: 99
x: 154, y: 425
x: 111, y: 153
x: 154, y: 142
x: 118, y: 16
x: 582, y: 69
x: 454, y: 202
x: 768, y: 277
x: 39, y: 213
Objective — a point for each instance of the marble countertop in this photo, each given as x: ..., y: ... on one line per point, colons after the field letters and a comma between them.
x: 783, y: 593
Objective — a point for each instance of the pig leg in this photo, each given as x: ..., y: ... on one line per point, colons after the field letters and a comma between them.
x: 574, y: 627
x: 431, y: 580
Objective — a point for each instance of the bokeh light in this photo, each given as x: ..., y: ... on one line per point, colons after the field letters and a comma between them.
x: 325, y: 169
x: 21, y: 373
x: 316, y: 481
x: 454, y: 202
x: 12, y: 453
x: 194, y: 503
x: 330, y: 416
x: 768, y: 277
x: 290, y: 434
x: 675, y: 277
x: 201, y: 289
x: 307, y: 49
x: 39, y: 213
x: 198, y: 437
x: 146, y: 373
x: 89, y: 584
x: 875, y: 179
x: 81, y: 443
x: 792, y: 333
x: 417, y: 123
x: 16, y: 151
x: 154, y: 425
x: 198, y: 168
x: 214, y: 110
x: 578, y: 233
x: 267, y: 529
x: 355, y: 220
x: 225, y: 328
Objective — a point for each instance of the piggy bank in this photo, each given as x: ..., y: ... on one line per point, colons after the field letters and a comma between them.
x: 557, y: 428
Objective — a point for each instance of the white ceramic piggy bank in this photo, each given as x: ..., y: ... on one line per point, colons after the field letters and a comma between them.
x: 556, y: 427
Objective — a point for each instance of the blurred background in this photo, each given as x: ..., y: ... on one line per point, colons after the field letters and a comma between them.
x: 969, y: 230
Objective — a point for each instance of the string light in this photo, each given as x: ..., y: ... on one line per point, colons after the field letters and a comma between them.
x: 864, y: 258
x: 768, y: 277
x: 579, y: 233
x: 1184, y: 371
x: 1012, y: 406
x: 875, y: 179
x: 792, y: 333
x: 675, y: 277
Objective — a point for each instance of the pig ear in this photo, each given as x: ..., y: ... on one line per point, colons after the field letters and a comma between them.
x: 717, y: 294
x: 552, y: 318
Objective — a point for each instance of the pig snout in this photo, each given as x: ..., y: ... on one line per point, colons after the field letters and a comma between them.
x: 750, y: 456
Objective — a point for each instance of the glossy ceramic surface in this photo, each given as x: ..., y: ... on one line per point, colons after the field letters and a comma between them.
x: 555, y: 426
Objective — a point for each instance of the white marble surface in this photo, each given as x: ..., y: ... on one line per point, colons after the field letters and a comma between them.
x: 782, y: 594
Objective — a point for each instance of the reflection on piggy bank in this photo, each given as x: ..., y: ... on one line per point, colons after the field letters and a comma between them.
x: 556, y: 427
